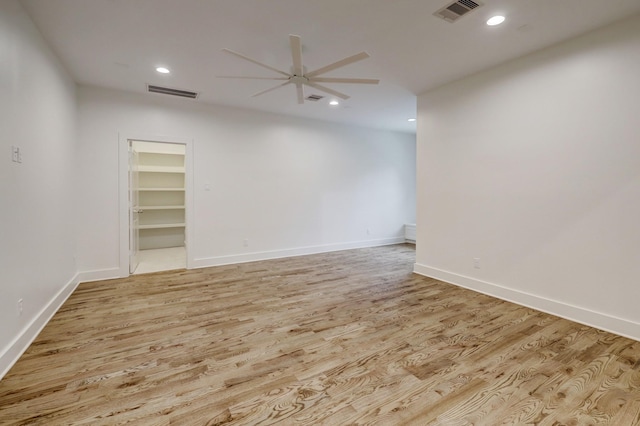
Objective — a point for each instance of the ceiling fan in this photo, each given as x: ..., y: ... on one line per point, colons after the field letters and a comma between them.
x: 300, y: 77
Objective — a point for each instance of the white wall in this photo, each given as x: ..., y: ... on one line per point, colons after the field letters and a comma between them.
x: 37, y: 243
x: 288, y: 185
x: 534, y: 168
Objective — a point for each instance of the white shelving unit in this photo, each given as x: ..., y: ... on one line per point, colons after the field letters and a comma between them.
x: 161, y: 193
x: 162, y: 226
x: 161, y: 169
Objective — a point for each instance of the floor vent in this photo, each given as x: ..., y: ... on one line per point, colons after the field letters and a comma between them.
x: 170, y: 91
x: 314, y: 98
x: 456, y: 10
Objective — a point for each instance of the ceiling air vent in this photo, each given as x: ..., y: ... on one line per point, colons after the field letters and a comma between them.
x: 170, y: 91
x: 454, y: 11
x: 314, y: 98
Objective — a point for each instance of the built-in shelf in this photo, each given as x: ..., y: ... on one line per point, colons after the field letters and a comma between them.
x: 160, y: 189
x: 161, y: 186
x: 161, y: 207
x: 160, y: 169
x: 162, y: 226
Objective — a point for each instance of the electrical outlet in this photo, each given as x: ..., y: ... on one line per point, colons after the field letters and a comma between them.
x: 368, y: 231
x: 15, y: 154
x: 245, y: 242
x: 20, y: 307
x: 476, y: 262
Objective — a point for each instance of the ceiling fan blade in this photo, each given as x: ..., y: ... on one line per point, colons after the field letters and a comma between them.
x: 327, y: 90
x: 246, y: 58
x: 252, y: 78
x: 341, y: 63
x: 346, y: 80
x: 300, y: 92
x: 268, y: 90
x: 296, y: 54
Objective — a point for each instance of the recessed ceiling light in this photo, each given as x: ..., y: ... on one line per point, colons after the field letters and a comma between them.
x: 334, y: 103
x: 495, y: 20
x: 411, y: 119
x: 163, y: 70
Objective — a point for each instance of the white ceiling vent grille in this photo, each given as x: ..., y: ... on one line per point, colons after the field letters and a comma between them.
x: 456, y: 10
x: 314, y: 98
x: 170, y: 91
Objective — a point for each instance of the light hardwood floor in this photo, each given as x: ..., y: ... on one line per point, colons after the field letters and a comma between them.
x: 340, y: 338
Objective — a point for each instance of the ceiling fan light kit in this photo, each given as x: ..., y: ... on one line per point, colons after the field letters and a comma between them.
x: 300, y: 77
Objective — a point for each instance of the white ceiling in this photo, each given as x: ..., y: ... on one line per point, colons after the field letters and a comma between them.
x: 118, y: 43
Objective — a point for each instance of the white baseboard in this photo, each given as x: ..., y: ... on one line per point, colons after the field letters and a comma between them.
x: 615, y: 325
x: 300, y: 251
x: 99, y: 275
x: 21, y: 342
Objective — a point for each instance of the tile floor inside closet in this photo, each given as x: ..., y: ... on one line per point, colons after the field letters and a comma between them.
x: 164, y: 259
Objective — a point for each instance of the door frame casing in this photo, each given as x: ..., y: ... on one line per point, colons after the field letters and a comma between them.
x: 134, y: 208
x: 123, y: 192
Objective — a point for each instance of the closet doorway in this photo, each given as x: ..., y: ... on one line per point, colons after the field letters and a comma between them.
x: 157, y: 219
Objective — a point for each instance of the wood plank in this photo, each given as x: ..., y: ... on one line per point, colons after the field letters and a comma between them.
x: 351, y: 337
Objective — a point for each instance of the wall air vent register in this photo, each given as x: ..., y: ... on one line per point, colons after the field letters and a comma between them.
x: 174, y: 92
x: 314, y: 98
x: 456, y: 10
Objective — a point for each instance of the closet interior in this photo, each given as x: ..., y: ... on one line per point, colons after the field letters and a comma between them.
x: 161, y: 192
